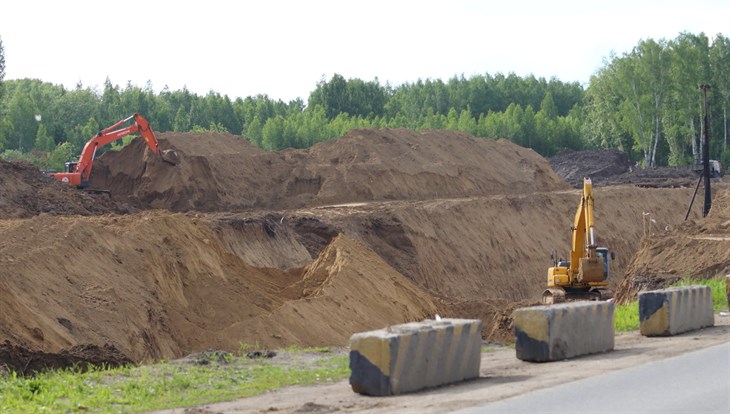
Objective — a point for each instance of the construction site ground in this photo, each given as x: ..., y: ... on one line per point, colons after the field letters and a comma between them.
x: 501, y: 376
x: 235, y: 245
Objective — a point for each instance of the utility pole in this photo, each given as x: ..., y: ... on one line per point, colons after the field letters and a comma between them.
x: 706, y: 154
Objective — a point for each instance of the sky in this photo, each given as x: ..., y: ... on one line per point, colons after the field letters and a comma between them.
x: 283, y: 48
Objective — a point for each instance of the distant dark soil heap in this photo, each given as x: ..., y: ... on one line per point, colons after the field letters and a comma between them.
x: 25, y: 192
x: 599, y: 165
x: 612, y: 167
x: 223, y: 172
x: 26, y: 362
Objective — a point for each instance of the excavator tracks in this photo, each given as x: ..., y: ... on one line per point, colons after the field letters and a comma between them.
x: 557, y: 295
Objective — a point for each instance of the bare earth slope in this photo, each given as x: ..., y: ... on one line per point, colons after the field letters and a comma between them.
x: 221, y: 172
x: 158, y: 286
x: 698, y: 248
x: 435, y: 222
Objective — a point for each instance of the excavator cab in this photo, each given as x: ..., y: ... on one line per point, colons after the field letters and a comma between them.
x: 70, y: 167
x: 602, y: 252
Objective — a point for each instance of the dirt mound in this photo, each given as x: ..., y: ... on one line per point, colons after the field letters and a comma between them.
x: 162, y: 285
x: 25, y: 192
x: 599, y: 165
x: 697, y: 248
x: 221, y: 172
x: 26, y: 362
x: 612, y: 167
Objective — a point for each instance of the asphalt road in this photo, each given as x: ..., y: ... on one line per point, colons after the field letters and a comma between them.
x: 696, y: 382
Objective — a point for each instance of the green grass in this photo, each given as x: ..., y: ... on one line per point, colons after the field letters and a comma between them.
x: 626, y: 317
x: 166, y: 385
x: 717, y: 285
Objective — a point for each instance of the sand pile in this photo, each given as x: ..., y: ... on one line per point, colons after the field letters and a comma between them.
x: 221, y: 172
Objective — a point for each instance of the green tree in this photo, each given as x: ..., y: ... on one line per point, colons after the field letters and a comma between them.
x: 182, y: 120
x: 466, y: 122
x: 110, y: 106
x: 22, y: 131
x: 255, y: 132
x: 548, y: 107
x: 331, y: 95
x: 2, y: 66
x: 689, y: 66
x: 720, y: 64
x: 63, y: 153
x: 213, y: 127
x: 43, y: 141
x: 88, y: 131
x: 273, y: 134
x: 452, y: 120
x: 313, y: 126
x: 602, y: 125
x: 6, y: 125
x: 354, y: 97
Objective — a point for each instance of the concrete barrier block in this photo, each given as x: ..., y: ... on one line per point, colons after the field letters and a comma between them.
x: 557, y: 332
x: 675, y: 310
x: 409, y: 357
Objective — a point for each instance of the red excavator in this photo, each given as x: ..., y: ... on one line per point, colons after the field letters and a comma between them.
x: 78, y: 173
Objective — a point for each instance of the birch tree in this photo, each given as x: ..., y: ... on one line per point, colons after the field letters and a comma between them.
x: 720, y: 66
x: 689, y: 67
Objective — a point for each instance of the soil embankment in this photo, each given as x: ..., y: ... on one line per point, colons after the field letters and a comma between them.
x: 221, y: 172
x: 235, y: 245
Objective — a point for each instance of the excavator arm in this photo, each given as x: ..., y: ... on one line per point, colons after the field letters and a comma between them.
x: 584, y: 264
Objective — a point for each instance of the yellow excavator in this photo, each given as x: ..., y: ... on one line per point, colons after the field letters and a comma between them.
x: 584, y: 276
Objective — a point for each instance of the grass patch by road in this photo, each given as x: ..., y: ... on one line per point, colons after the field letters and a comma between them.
x: 626, y: 317
x: 717, y: 285
x: 204, y: 379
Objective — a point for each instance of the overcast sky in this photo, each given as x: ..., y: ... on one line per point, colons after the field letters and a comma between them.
x: 283, y: 48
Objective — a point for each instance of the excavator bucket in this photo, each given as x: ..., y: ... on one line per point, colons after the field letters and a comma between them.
x: 591, y: 270
x: 170, y: 157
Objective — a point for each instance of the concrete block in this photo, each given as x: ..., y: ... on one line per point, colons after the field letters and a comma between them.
x: 562, y: 331
x: 412, y: 356
x: 675, y: 310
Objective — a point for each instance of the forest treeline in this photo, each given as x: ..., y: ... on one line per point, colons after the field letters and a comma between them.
x: 646, y: 102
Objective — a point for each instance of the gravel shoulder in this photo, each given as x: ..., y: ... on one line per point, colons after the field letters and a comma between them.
x: 502, y: 376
